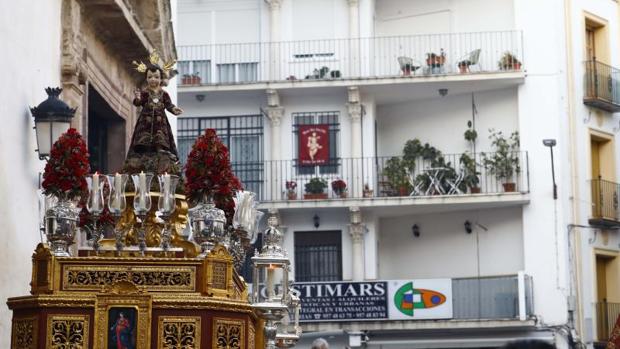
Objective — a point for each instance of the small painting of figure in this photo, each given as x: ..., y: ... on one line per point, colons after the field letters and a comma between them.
x: 122, y: 325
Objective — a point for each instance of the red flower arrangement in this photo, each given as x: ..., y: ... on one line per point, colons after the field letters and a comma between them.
x: 208, y: 173
x: 66, y: 170
x: 339, y: 186
x: 291, y: 185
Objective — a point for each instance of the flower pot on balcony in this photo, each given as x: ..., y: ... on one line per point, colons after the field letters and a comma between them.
x: 509, y: 187
x: 463, y: 67
x: 403, y: 191
x: 190, y: 80
x: 367, y: 193
x: 291, y: 195
x: 342, y: 195
x: 315, y: 196
x: 475, y: 190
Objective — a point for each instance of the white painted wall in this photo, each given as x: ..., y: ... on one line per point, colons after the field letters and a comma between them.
x: 442, y: 121
x: 31, y: 32
x: 542, y: 114
x: 445, y: 250
x: 407, y: 17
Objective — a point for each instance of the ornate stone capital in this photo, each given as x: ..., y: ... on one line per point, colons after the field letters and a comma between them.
x: 355, y: 111
x: 274, y: 4
x: 275, y: 115
x: 357, y: 232
x: 353, y: 94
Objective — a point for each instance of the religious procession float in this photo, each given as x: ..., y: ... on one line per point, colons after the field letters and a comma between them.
x: 160, y: 268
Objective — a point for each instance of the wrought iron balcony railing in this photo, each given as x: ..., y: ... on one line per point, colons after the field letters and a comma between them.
x: 375, y: 177
x: 361, y: 58
x: 602, y: 86
x: 606, y: 316
x: 605, y: 210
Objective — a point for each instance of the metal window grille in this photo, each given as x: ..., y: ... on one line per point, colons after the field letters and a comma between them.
x: 318, y: 118
x: 243, y: 135
x: 318, y: 256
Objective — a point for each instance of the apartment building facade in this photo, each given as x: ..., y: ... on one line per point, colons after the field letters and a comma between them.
x: 407, y: 99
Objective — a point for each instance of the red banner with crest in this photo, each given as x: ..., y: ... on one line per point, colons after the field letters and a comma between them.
x: 313, y: 145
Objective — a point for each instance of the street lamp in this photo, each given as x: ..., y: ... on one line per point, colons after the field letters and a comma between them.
x: 52, y: 118
x: 551, y: 143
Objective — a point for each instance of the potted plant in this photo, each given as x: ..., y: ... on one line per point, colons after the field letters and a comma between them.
x: 509, y: 61
x: 463, y: 67
x: 315, y: 189
x: 434, y: 60
x: 367, y: 192
x: 291, y: 192
x: 504, y: 162
x: 335, y: 74
x: 190, y: 79
x: 470, y: 175
x: 396, y: 173
x: 340, y: 188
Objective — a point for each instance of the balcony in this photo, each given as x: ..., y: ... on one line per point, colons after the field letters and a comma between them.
x: 388, y: 182
x: 338, y: 61
x: 605, y: 213
x: 606, y: 317
x: 602, y: 86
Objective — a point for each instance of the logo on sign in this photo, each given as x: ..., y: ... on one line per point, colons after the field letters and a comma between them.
x: 407, y: 299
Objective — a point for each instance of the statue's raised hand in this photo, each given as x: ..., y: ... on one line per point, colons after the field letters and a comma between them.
x: 177, y: 111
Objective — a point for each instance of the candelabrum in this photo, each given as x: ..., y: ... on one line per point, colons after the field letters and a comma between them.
x: 166, y: 205
x: 117, y: 203
x: 142, y: 204
x: 271, y: 263
x: 95, y: 205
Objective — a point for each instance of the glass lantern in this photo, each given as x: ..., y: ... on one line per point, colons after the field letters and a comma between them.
x: 142, y: 203
x: 271, y: 267
x: 95, y: 205
x: 290, y: 332
x: 166, y: 205
x: 117, y: 203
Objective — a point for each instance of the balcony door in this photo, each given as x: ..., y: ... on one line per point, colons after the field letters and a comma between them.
x: 604, y: 191
x: 607, y: 292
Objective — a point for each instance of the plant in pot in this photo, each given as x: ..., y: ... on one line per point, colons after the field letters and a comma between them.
x: 504, y: 162
x: 315, y: 189
x: 191, y: 79
x: 291, y: 190
x: 509, y: 61
x: 367, y: 192
x: 470, y: 174
x: 396, y: 173
x: 436, y: 61
x: 340, y: 188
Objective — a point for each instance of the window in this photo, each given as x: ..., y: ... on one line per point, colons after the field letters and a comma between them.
x: 243, y: 135
x: 237, y: 72
x: 318, y: 256
x: 200, y: 68
x: 317, y: 118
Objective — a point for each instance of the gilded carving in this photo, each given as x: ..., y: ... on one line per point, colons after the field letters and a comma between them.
x: 24, y: 333
x: 251, y: 334
x: 67, y: 331
x: 179, y: 332
x: 159, y: 278
x: 219, y: 275
x: 228, y: 333
x: 42, y: 260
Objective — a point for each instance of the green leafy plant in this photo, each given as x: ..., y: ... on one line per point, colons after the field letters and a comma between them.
x: 503, y: 163
x: 316, y: 185
x: 470, y: 176
x: 509, y: 61
x: 470, y: 134
x: 396, y: 173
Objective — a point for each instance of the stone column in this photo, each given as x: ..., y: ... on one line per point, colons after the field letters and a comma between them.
x: 357, y: 230
x: 275, y: 168
x: 72, y: 65
x: 354, y: 40
x: 354, y: 109
x: 275, y: 37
